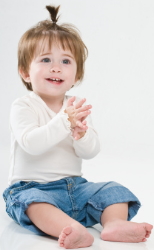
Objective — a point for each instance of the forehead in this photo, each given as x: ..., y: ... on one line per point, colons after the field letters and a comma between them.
x: 46, y: 44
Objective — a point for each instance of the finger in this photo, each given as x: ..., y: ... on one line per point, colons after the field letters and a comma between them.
x: 80, y: 134
x: 70, y: 101
x: 77, y: 137
x: 80, y: 103
x: 83, y: 118
x: 84, y: 108
x: 78, y: 129
x: 80, y: 125
x: 84, y: 122
x: 81, y: 115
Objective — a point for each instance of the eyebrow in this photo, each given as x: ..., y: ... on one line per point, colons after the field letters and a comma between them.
x: 48, y: 53
x: 68, y: 56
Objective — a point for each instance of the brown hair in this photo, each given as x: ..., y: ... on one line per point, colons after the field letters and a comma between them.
x: 65, y: 35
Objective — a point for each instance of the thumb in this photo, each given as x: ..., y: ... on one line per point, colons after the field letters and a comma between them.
x: 70, y: 101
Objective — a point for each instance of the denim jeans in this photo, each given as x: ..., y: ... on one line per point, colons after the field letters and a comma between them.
x: 82, y: 200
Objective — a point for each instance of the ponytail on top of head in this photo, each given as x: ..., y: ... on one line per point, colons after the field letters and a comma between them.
x: 53, y: 13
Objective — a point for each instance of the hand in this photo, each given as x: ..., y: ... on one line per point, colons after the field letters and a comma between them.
x: 78, y: 132
x: 77, y: 113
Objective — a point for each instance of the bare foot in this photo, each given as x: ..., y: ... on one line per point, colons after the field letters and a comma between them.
x: 71, y: 237
x: 126, y: 231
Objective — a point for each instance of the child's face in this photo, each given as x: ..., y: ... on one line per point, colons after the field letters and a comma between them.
x: 52, y: 72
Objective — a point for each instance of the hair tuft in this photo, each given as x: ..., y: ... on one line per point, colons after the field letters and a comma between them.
x: 53, y: 12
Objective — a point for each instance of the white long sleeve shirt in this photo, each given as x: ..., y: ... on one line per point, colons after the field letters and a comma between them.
x: 42, y: 148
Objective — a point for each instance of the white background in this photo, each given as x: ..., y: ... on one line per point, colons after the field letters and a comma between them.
x: 119, y: 83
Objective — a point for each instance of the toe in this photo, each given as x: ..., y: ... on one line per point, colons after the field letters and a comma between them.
x: 144, y: 239
x: 67, y: 230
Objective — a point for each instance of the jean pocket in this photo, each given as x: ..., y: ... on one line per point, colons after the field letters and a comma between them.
x: 22, y: 185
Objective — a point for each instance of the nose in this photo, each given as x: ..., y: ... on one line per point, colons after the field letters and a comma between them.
x: 55, y: 68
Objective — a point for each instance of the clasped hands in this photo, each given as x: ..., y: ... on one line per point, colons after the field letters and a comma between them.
x: 77, y: 114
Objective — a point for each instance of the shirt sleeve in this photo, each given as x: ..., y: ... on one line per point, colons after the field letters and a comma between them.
x: 88, y: 146
x: 32, y: 137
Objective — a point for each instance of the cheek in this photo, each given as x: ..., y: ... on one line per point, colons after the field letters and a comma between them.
x: 36, y: 72
x: 74, y: 71
x: 73, y: 76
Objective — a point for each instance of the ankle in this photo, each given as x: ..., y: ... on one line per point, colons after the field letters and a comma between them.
x: 111, y: 221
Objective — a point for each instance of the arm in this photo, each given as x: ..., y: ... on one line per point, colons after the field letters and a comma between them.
x: 32, y: 137
x: 88, y: 145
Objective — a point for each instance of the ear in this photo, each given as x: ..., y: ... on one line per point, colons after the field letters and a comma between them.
x: 24, y: 75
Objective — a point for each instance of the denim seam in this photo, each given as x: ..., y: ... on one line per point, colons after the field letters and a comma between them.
x: 71, y: 188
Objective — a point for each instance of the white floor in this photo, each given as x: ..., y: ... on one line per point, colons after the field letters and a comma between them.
x: 135, y: 173
x: 16, y: 238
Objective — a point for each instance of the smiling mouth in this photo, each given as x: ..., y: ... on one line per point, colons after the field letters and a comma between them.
x: 55, y: 80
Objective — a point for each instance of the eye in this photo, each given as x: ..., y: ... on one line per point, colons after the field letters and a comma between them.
x: 46, y: 60
x: 66, y: 61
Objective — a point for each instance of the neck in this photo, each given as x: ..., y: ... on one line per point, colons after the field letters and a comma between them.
x: 54, y: 103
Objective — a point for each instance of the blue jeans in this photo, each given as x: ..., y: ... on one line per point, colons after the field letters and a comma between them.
x: 82, y: 200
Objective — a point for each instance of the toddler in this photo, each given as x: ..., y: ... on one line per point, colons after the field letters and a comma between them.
x: 51, y: 133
